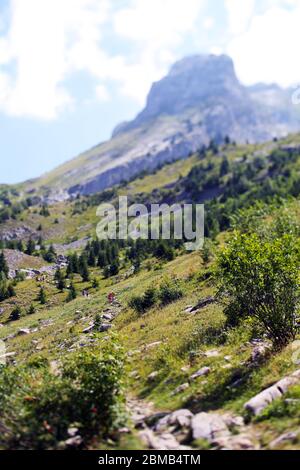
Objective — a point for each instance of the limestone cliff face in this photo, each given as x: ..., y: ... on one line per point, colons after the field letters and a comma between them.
x: 200, y: 99
x: 196, y: 81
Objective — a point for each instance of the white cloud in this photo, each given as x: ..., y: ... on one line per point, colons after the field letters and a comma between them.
x: 208, y: 23
x: 268, y: 50
x: 156, y: 28
x: 50, y: 40
x: 160, y: 22
x: 239, y: 14
x: 216, y: 50
x: 39, y: 46
x: 102, y: 93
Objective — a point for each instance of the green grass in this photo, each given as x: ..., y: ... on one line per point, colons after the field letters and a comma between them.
x: 182, y: 339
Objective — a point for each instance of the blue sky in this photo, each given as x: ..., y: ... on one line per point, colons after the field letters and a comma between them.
x: 70, y: 70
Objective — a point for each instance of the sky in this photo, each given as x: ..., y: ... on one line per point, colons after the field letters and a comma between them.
x: 71, y: 70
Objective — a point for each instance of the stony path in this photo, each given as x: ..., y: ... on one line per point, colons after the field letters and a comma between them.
x: 151, y: 429
x: 177, y: 430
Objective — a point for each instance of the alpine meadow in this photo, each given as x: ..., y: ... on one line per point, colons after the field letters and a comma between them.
x: 178, y: 329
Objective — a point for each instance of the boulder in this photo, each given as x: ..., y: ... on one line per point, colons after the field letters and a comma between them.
x: 211, y: 353
x: 286, y: 437
x: 200, y: 373
x: 162, y: 442
x: 260, y: 351
x: 152, y: 345
x: 181, y: 388
x: 151, y: 377
x: 240, y: 442
x: 23, y: 332
x: 209, y: 426
x: 75, y: 441
x: 105, y: 327
x: 107, y: 316
x: 89, y: 329
x: 202, y: 304
x: 258, y: 403
x: 178, y: 419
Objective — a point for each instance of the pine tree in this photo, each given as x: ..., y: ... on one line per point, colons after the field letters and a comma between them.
x: 97, y: 322
x: 114, y: 268
x: 20, y: 245
x: 31, y: 310
x: 30, y: 247
x: 44, y: 211
x: 11, y: 291
x: 72, y: 293
x: 3, y: 265
x: 91, y: 259
x: 102, y: 259
x: 83, y: 267
x: 50, y: 255
x: 15, y: 314
x: 57, y: 274
x: 73, y: 265
x: 42, y: 296
x: 224, y: 168
x: 60, y: 280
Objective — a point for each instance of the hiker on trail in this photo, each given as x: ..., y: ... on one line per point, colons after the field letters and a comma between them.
x: 111, y: 297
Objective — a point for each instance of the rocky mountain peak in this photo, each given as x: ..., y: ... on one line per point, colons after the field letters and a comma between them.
x: 200, y: 99
x: 192, y: 81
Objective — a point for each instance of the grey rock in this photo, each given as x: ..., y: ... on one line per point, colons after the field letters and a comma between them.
x: 200, y: 373
x: 286, y: 437
x: 240, y: 442
x: 105, y: 327
x: 75, y: 441
x: 181, y: 388
x: 227, y: 366
x: 89, y: 329
x: 180, y: 418
x: 233, y: 421
x: 227, y: 358
x: 211, y: 353
x: 260, y: 351
x: 23, y: 332
x: 134, y: 374
x: 152, y: 345
x: 107, y: 316
x: 73, y: 431
x: 151, y: 377
x: 258, y: 403
x: 163, y: 442
x: 209, y: 426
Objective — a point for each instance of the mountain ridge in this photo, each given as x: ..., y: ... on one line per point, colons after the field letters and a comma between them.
x: 199, y: 100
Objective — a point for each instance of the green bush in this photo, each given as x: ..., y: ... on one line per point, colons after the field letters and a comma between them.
x: 143, y: 303
x: 169, y: 292
x: 38, y: 408
x: 259, y: 279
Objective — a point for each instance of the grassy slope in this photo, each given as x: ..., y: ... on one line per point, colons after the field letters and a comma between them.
x: 72, y: 227
x: 180, y: 333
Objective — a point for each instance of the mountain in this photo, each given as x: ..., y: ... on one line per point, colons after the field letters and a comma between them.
x: 200, y: 99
